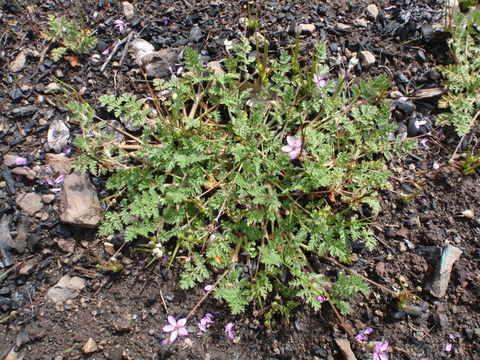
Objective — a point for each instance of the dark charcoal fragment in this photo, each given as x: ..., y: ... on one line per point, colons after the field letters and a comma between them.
x: 7, y: 176
x: 24, y: 111
x: 407, y: 107
x: 421, y: 56
x: 16, y: 94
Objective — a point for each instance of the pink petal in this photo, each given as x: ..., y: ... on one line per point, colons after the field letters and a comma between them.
x: 183, y: 332
x: 290, y: 140
x: 182, y: 322
x: 208, y: 288
x: 448, y: 347
x: 383, y: 347
x: 173, y: 336
x: 294, y: 154
x: 172, y: 320
x: 168, y: 328
x: 202, y: 327
x: 287, y: 148
x: 298, y: 143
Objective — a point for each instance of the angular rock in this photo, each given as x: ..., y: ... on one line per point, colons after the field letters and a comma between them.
x: 439, y: 285
x: 306, y: 29
x: 53, y: 87
x: 360, y: 23
x: 427, y: 93
x: 216, y: 67
x: 19, y: 63
x: 59, y: 163
x: 66, y: 245
x: 20, y: 241
x: 79, y: 204
x: 10, y: 160
x: 25, y: 171
x: 66, y: 288
x: 140, y: 49
x: 345, y: 349
x: 344, y: 28
x: 372, y: 12
x: 195, y: 34
x: 128, y: 10
x: 30, y: 203
x: 90, y: 346
x: 367, y: 58
x: 5, y: 240
x: 57, y: 136
x: 159, y: 62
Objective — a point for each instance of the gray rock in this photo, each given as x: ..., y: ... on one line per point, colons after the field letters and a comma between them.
x: 57, y: 136
x: 372, y: 12
x: 360, y: 23
x: 140, y: 49
x: 216, y: 67
x: 366, y: 58
x: 195, y: 34
x: 159, y: 62
x: 345, y: 349
x: 19, y: 62
x: 66, y: 288
x: 30, y: 203
x: 79, y: 203
x: 5, y: 240
x: 343, y: 27
x: 305, y: 29
x: 439, y: 285
x: 128, y: 10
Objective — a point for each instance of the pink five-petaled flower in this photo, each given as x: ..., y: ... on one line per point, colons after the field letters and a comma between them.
x: 175, y: 328
x: 207, y: 319
x: 229, y: 331
x: 120, y: 25
x: 379, y: 351
x: 319, y: 80
x: 294, y: 147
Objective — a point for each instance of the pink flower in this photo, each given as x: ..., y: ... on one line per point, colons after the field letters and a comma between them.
x: 229, y: 331
x: 120, y: 25
x: 176, y: 328
x: 435, y: 166
x: 20, y: 161
x: 362, y: 336
x: 423, y: 141
x: 207, y: 319
x: 319, y: 80
x: 448, y: 347
x: 294, y: 147
x: 320, y: 299
x: 207, y: 288
x: 379, y: 351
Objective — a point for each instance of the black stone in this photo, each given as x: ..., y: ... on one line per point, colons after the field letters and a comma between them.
x: 16, y: 94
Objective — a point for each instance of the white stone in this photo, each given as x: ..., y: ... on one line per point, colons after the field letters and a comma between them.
x: 19, y: 63
x: 128, y: 10
x: 140, y: 49
x: 367, y: 58
x: 305, y: 29
x: 66, y: 288
x: 372, y: 12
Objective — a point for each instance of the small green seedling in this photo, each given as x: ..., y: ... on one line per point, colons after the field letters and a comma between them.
x: 69, y: 35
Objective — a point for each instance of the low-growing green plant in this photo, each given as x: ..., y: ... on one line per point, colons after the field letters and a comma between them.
x: 70, y: 35
x: 462, y: 78
x: 251, y: 178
